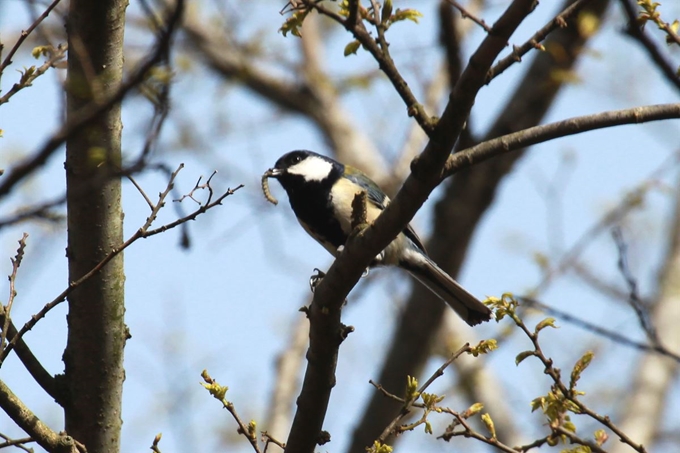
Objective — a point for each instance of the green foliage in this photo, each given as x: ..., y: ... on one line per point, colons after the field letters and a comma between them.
x: 484, y: 347
x: 351, y: 48
x: 505, y: 306
x: 580, y: 366
x: 293, y: 23
x: 472, y: 410
x: 216, y: 390
x: 45, y: 51
x: 600, y: 437
x: 547, y: 322
x: 406, y: 14
x: 554, y: 405
x: 379, y: 447
x: 411, y: 388
x: 26, y: 76
x: 523, y: 355
x: 430, y: 400
x: 488, y: 422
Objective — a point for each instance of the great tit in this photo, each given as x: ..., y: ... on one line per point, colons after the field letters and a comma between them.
x: 321, y: 191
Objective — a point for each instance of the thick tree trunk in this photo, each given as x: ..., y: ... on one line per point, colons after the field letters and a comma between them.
x: 96, y: 331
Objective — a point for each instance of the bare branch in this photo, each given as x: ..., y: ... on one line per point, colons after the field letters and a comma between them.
x: 5, y: 311
x: 19, y: 443
x: 406, y: 408
x: 377, y: 50
x: 636, y: 32
x: 324, y: 312
x: 534, y: 42
x: 465, y: 14
x: 91, y: 112
x: 24, y: 34
x: 601, y: 331
x: 641, y: 311
x: 33, y: 426
x: 571, y: 126
x: 143, y: 232
x: 218, y: 392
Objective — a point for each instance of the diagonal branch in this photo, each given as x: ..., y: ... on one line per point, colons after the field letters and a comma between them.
x: 34, y: 427
x: 144, y: 232
x: 91, y: 112
x: 634, y: 31
x: 324, y: 312
x: 457, y: 215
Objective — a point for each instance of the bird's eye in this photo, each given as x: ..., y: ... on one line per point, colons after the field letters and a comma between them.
x: 297, y: 159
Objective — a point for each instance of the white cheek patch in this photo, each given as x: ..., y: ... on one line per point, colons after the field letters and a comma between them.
x: 312, y: 169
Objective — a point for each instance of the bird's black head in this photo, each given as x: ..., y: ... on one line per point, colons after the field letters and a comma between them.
x: 303, y: 167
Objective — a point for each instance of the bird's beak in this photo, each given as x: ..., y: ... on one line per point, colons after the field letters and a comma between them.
x: 272, y: 173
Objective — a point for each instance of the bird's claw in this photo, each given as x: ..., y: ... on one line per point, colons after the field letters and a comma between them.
x: 316, y: 278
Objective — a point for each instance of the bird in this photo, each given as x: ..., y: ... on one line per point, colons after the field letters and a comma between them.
x: 321, y: 190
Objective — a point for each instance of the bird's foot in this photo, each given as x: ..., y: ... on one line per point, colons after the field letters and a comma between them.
x: 315, y: 279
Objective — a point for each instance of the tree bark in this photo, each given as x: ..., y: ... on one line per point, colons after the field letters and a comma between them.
x: 96, y: 331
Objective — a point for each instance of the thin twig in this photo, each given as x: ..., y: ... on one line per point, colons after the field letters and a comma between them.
x: 601, y: 331
x: 24, y: 34
x: 56, y: 55
x: 385, y: 62
x: 18, y: 443
x: 406, y: 408
x: 89, y: 113
x: 634, y: 301
x: 141, y: 233
x: 655, y: 53
x: 534, y: 42
x: 6, y: 310
x: 465, y: 14
x: 268, y: 439
x: 571, y: 394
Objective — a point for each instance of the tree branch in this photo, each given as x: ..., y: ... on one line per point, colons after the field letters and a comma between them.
x: 91, y: 112
x: 634, y: 31
x: 571, y: 126
x: 34, y: 427
x: 324, y: 312
x: 144, y: 232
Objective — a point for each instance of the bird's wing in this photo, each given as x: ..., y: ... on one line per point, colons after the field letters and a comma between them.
x: 378, y: 198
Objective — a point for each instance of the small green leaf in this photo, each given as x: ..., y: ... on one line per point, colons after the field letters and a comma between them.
x: 600, y: 437
x: 386, y: 12
x: 379, y: 447
x: 406, y: 14
x: 293, y: 23
x: 351, y: 48
x: 488, y: 422
x: 431, y: 400
x: 484, y: 347
x: 473, y: 410
x: 523, y: 355
x: 40, y: 50
x: 428, y: 427
x: 580, y: 366
x: 547, y: 322
x: 411, y: 388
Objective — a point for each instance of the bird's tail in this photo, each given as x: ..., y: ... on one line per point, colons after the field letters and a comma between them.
x: 446, y: 288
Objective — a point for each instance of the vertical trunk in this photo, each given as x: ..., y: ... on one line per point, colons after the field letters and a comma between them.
x: 96, y: 331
